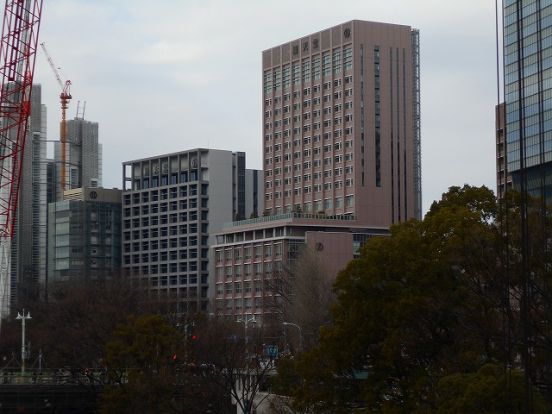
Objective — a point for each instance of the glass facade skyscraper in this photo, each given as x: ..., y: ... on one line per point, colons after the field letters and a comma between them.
x: 528, y: 93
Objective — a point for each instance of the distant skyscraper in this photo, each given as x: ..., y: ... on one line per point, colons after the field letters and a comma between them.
x: 172, y: 206
x: 28, y: 248
x: 528, y: 95
x: 84, y: 155
x: 342, y: 123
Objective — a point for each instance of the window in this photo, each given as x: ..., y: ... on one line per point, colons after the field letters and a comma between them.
x: 326, y: 63
x: 286, y: 76
x: 348, y: 58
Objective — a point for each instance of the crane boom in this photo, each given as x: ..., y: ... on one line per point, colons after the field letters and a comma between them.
x: 52, y: 65
x: 64, y: 97
x: 18, y: 45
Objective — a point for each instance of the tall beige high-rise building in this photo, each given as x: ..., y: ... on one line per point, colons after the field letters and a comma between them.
x: 341, y: 149
x: 342, y: 123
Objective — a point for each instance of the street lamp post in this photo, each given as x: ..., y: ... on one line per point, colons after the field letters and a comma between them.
x: 246, y: 321
x: 300, y: 333
x: 23, y: 318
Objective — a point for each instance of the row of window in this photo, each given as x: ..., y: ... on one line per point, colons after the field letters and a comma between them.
x: 348, y: 169
x: 163, y: 207
x: 336, y: 159
x: 248, y: 252
x: 307, y: 104
x: 165, y: 256
x: 156, y: 268
x: 316, y: 188
x: 235, y: 306
x: 337, y: 146
x: 318, y: 206
x: 287, y: 120
x: 163, y: 219
x: 242, y: 288
x: 164, y: 194
x: 163, y: 232
x: 278, y: 100
x: 298, y: 131
x: 308, y: 69
x: 259, y: 268
x: 162, y: 244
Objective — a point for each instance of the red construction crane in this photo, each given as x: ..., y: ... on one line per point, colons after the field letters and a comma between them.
x: 18, y: 46
x: 64, y: 97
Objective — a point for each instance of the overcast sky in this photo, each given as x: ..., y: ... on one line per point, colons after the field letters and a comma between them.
x: 156, y: 74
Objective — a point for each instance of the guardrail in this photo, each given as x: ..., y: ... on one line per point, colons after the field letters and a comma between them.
x: 287, y: 216
x: 51, y: 377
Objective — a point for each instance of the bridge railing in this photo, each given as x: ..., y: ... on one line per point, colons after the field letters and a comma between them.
x: 52, y: 377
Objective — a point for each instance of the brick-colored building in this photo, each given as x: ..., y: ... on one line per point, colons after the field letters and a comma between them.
x: 252, y: 255
x: 341, y: 151
x: 341, y: 129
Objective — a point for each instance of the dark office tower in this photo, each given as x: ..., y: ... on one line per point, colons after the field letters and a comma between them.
x: 84, y: 235
x: 528, y: 94
x: 503, y: 178
x: 28, y: 246
x: 341, y: 130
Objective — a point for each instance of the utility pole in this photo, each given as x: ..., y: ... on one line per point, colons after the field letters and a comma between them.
x: 23, y: 318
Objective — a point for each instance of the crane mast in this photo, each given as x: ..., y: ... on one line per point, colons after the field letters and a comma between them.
x: 18, y: 45
x: 64, y: 97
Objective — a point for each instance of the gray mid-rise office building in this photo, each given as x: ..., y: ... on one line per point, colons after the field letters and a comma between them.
x: 173, y: 205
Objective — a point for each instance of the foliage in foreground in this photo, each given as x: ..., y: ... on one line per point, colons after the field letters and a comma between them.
x: 431, y: 311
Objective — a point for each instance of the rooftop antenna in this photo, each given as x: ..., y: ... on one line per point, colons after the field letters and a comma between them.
x: 81, y: 110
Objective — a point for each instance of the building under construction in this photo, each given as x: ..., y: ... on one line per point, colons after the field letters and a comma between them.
x: 83, y: 158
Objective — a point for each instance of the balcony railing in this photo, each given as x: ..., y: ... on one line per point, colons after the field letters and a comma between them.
x: 287, y: 216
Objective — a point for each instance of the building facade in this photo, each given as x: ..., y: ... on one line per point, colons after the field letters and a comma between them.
x: 84, y: 235
x: 341, y: 126
x: 172, y: 206
x: 253, y: 256
x: 342, y: 162
x: 503, y: 178
x: 83, y: 155
x: 528, y: 94
x: 28, y: 246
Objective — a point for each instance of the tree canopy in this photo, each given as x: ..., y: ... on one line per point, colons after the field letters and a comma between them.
x: 429, y: 302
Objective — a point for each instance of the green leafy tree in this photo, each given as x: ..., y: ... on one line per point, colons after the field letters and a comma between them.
x: 427, y: 302
x: 490, y: 390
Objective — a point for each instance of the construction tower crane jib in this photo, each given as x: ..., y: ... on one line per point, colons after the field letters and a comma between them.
x: 20, y: 29
x: 64, y: 97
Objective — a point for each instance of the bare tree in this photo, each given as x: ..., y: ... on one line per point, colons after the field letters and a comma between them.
x: 302, y: 294
x: 233, y: 356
